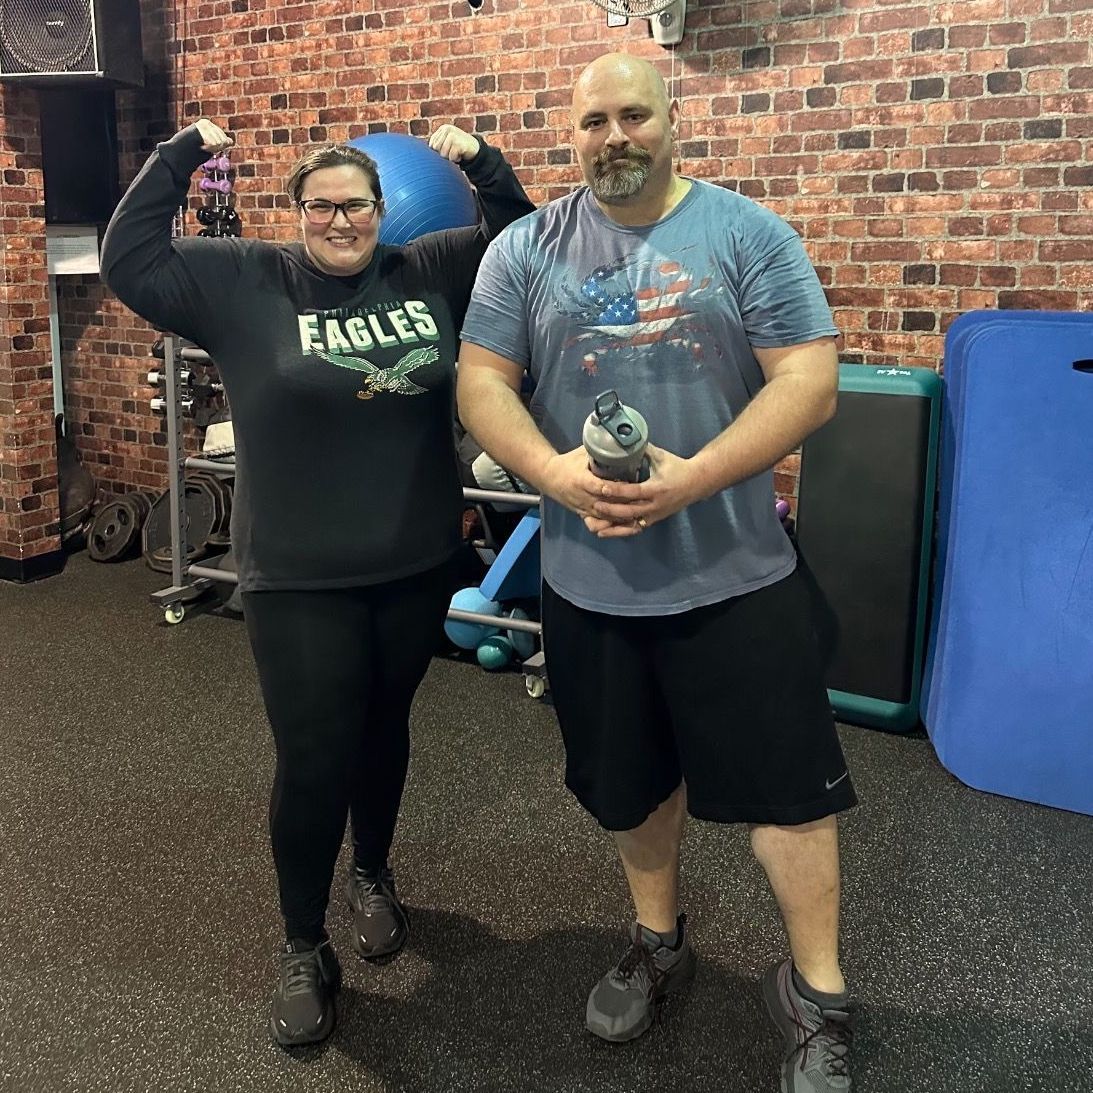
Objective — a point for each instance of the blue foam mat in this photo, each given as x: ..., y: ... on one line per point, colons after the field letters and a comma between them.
x: 963, y: 330
x: 1008, y: 692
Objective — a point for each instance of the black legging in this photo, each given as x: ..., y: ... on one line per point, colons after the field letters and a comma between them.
x: 338, y: 670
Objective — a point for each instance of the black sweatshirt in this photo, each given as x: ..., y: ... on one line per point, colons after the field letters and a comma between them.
x: 341, y: 388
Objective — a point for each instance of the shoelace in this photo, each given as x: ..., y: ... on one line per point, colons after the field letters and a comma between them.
x: 637, y: 959
x: 837, y: 1036
x: 300, y: 973
x: 374, y: 895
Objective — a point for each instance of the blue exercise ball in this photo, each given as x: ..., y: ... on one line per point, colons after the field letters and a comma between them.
x: 469, y: 635
x: 422, y: 191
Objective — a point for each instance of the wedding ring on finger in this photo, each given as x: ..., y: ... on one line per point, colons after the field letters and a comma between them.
x: 640, y: 521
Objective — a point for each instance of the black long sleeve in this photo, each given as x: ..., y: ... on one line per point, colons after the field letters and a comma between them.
x: 341, y: 388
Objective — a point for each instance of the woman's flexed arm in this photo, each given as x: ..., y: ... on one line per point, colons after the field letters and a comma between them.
x: 174, y: 283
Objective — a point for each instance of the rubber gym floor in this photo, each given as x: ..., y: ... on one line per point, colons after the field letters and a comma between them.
x: 139, y: 924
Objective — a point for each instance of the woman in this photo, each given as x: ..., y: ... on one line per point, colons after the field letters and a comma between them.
x: 337, y: 354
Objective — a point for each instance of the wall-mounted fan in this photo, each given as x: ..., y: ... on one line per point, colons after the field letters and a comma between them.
x: 666, y: 17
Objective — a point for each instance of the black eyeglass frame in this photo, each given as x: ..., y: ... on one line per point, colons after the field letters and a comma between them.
x: 340, y: 206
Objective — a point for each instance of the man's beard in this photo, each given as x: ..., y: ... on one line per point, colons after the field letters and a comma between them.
x: 619, y: 176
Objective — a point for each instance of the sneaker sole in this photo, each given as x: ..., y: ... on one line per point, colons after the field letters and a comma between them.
x: 677, y: 983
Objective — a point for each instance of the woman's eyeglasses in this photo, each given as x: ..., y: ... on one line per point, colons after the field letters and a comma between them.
x: 357, y: 210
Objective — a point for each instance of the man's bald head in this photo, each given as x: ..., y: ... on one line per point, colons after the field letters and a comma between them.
x: 620, y: 69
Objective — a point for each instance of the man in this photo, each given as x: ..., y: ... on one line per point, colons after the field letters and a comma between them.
x: 683, y: 660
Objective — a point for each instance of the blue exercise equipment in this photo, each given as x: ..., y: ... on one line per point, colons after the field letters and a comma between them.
x: 422, y: 191
x: 1008, y: 688
x: 495, y: 653
x: 469, y: 635
x: 522, y: 641
x: 515, y: 573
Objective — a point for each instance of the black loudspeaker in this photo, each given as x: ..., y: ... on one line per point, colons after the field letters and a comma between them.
x: 71, y: 41
x: 79, y: 154
x: 864, y: 527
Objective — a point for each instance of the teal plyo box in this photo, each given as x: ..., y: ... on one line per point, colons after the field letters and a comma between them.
x: 864, y: 527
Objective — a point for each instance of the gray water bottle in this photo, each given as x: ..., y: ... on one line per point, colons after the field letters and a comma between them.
x: 615, y: 437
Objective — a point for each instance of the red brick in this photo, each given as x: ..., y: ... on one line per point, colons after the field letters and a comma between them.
x: 951, y: 274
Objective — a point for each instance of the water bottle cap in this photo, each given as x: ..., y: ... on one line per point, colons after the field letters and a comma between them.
x: 615, y: 418
x: 607, y: 405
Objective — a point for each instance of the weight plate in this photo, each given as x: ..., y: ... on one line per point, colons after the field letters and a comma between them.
x: 224, y: 487
x: 113, y: 532
x: 141, y: 503
x: 201, y: 480
x: 199, y: 519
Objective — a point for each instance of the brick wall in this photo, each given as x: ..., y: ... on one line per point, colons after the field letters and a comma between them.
x: 936, y: 158
x: 29, y: 516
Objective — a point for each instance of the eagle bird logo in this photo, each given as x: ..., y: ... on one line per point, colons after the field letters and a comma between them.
x: 394, y: 380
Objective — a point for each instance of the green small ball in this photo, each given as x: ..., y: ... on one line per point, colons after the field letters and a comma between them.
x: 495, y: 653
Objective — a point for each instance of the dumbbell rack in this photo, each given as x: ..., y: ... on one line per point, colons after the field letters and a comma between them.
x: 199, y: 392
x: 189, y: 581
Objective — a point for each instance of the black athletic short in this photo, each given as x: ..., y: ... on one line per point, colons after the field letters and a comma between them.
x: 728, y: 698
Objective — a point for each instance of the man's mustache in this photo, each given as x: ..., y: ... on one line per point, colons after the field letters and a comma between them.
x: 633, y: 157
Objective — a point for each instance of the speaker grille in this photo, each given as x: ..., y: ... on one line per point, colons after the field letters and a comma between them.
x: 46, y: 36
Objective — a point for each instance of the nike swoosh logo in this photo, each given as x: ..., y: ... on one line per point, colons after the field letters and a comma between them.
x: 832, y: 785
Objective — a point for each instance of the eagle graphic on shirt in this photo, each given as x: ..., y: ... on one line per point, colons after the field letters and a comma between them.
x: 394, y: 380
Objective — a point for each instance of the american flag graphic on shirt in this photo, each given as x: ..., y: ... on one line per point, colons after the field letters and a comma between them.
x: 625, y: 306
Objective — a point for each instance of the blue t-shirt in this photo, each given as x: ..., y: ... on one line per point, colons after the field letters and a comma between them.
x: 667, y: 315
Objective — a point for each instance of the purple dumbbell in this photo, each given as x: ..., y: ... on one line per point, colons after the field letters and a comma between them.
x: 221, y: 185
x: 217, y: 163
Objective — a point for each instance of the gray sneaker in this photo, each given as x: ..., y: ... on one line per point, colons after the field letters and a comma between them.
x: 625, y: 1001
x: 303, y: 1007
x: 817, y: 1040
x: 380, y: 925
